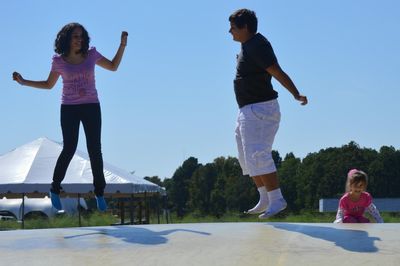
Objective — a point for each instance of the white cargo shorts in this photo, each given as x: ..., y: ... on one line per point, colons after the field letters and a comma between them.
x: 256, y: 128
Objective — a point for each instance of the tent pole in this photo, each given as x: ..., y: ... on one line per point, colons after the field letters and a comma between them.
x: 165, y: 208
x: 131, y: 209
x: 23, y: 211
x: 158, y: 206
x: 79, y: 210
x: 122, y: 211
x: 146, y: 210
x: 140, y: 212
x: 169, y: 218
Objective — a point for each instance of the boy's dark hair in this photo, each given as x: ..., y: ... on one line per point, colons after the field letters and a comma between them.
x: 62, y: 44
x: 243, y: 17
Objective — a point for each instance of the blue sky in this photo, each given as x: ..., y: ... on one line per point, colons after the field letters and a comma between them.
x: 172, y: 96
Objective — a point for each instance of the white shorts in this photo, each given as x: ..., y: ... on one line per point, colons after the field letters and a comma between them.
x: 257, y: 125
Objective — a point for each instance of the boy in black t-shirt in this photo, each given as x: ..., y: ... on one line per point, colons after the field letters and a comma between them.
x: 259, y: 114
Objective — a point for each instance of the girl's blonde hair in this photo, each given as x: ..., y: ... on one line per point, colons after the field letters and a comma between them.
x: 356, y: 176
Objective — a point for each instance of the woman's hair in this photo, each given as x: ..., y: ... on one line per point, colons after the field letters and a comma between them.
x: 244, y: 17
x: 62, y: 44
x: 355, y: 176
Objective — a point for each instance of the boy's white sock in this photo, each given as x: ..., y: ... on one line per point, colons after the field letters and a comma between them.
x: 275, y: 194
x: 276, y: 204
x: 262, y: 203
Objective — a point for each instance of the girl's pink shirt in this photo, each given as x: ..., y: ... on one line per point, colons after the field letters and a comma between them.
x: 79, y: 86
x: 355, y: 208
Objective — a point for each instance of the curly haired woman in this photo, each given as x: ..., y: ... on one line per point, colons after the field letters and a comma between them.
x: 75, y: 63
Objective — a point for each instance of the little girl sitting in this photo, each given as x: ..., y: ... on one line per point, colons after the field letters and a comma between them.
x: 356, y: 201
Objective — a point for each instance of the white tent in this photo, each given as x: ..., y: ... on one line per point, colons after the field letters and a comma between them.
x: 29, y: 169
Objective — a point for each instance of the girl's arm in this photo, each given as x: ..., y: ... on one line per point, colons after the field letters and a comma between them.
x: 371, y: 209
x: 339, y: 216
x: 113, y: 65
x: 45, y: 84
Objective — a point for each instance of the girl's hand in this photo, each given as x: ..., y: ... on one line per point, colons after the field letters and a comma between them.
x: 18, y: 78
x: 124, y: 38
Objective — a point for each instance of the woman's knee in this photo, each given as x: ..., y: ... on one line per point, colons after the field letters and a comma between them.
x: 68, y: 151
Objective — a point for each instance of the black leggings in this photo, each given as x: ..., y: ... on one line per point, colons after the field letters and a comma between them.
x: 71, y: 116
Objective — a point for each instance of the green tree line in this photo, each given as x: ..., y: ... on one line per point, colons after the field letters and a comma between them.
x: 217, y: 187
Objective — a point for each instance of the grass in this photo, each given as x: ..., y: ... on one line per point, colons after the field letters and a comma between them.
x: 308, y: 217
x: 105, y: 219
x: 286, y: 217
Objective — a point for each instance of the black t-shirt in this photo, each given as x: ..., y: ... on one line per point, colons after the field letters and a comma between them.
x: 253, y: 83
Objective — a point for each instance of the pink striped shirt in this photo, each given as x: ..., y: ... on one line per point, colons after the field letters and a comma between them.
x: 355, y: 208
